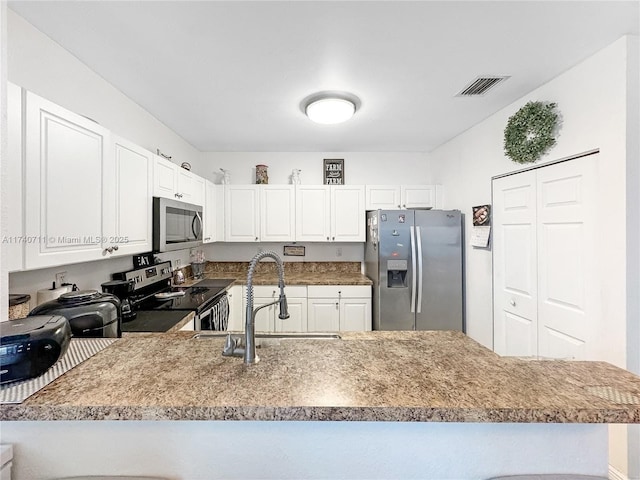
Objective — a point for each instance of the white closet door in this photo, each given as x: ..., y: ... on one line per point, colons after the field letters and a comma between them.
x: 514, y: 265
x: 568, y: 292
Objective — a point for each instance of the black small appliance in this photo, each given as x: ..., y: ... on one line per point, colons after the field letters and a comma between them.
x: 89, y: 312
x: 30, y: 346
x: 122, y: 289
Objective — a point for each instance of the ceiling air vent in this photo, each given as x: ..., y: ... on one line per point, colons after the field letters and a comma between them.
x: 480, y: 86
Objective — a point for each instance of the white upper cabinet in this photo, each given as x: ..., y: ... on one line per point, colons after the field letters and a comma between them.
x: 277, y: 213
x: 176, y: 183
x: 313, y: 211
x: 190, y: 187
x: 256, y: 213
x: 383, y: 197
x: 421, y: 196
x: 130, y: 227
x: 348, y: 217
x: 392, y: 197
x: 165, y: 178
x: 65, y: 198
x: 241, y: 213
x: 13, y: 229
x: 213, y: 213
x: 330, y: 213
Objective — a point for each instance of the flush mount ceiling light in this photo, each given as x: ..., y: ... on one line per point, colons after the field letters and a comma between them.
x: 330, y: 109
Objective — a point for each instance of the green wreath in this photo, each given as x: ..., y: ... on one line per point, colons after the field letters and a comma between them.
x: 530, y: 132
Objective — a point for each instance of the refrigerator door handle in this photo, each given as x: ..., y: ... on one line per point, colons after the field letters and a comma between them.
x: 414, y: 272
x: 420, y: 273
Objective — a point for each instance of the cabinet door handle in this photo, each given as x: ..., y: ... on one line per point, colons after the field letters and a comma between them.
x: 208, y: 238
x: 333, y: 238
x: 115, y: 247
x: 404, y: 205
x: 327, y: 238
x: 337, y: 305
x: 256, y: 239
x: 109, y: 249
x: 512, y: 302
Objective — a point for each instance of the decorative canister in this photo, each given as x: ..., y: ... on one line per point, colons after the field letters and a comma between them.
x: 261, y: 174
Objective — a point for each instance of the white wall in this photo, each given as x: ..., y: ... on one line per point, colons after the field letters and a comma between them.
x: 598, y: 102
x: 633, y: 239
x: 591, y: 98
x: 37, y: 63
x: 4, y: 200
x: 360, y: 167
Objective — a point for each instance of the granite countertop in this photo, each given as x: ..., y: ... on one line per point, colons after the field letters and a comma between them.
x: 365, y: 376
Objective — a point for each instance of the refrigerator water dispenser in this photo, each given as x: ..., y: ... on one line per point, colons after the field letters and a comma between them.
x: 396, y: 273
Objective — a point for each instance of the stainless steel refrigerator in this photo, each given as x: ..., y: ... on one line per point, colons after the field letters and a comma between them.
x: 414, y: 258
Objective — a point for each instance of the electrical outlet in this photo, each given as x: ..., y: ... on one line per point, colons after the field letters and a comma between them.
x: 338, y: 252
x: 61, y: 278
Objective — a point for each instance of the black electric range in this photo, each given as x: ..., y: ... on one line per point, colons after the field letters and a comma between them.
x: 154, y: 313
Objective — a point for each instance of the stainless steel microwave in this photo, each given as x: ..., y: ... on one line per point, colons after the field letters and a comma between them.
x: 176, y: 225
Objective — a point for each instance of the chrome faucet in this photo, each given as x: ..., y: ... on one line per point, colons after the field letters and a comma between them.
x: 232, y: 347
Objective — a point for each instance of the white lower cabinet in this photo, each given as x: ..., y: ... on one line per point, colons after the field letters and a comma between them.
x: 313, y: 308
x: 323, y: 315
x: 338, y: 308
x: 236, y: 312
x: 267, y: 319
x: 188, y: 327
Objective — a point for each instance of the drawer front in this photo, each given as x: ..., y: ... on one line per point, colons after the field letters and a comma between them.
x: 267, y: 291
x: 338, y: 291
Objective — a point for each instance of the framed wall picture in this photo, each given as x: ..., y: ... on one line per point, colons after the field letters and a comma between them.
x: 334, y: 171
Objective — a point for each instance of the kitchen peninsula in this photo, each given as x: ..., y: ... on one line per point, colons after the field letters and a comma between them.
x: 369, y: 405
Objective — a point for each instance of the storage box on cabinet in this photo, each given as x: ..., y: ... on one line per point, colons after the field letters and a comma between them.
x: 338, y: 307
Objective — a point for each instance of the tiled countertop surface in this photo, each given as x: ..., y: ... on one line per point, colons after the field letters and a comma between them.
x: 366, y: 376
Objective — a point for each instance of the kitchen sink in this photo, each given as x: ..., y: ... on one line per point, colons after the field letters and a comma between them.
x: 273, y: 336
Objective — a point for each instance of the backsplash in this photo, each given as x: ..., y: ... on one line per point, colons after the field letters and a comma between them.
x: 289, y: 267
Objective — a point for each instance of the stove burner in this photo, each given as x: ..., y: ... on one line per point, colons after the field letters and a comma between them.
x: 196, y: 290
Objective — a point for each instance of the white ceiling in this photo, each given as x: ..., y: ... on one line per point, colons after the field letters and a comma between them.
x: 231, y: 76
